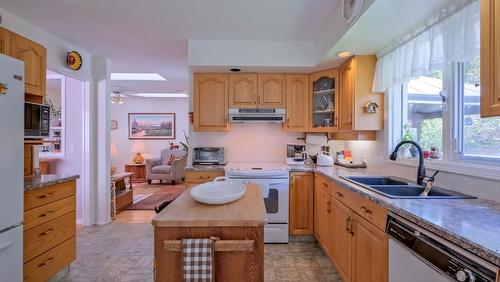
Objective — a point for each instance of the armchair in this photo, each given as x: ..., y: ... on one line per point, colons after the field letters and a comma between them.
x: 160, y: 168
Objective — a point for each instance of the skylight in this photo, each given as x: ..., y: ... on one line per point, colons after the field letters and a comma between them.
x: 161, y: 95
x: 137, y: 76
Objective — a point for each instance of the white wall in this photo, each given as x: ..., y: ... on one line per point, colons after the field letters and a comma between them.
x: 72, y: 162
x: 264, y: 143
x: 123, y: 149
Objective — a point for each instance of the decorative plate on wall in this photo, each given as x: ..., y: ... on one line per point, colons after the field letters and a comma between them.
x: 74, y: 60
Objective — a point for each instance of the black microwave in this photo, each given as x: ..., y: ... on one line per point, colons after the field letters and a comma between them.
x: 36, y: 120
x: 209, y: 156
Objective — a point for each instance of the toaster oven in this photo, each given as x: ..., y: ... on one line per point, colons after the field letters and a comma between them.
x: 209, y: 155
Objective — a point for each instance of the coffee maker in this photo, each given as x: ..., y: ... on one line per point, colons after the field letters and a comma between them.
x: 295, y: 153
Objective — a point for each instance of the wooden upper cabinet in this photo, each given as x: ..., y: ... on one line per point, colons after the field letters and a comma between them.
x: 370, y: 254
x: 346, y: 96
x: 210, y: 102
x: 297, y: 102
x: 324, y: 100
x: 271, y: 90
x: 34, y: 57
x: 490, y: 58
x: 243, y: 90
x: 355, y: 92
x: 5, y: 38
x: 301, y: 203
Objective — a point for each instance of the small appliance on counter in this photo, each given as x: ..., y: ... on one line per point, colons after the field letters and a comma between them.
x: 295, y: 154
x: 324, y: 160
x: 344, y: 159
x: 209, y: 156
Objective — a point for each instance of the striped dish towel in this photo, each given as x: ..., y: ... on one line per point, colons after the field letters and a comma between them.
x: 198, y: 259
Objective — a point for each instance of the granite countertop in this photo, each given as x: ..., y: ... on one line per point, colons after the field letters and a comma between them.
x: 205, y: 168
x: 37, y: 182
x: 473, y: 224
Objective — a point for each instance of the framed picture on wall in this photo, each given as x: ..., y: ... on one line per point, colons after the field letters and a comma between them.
x: 151, y: 126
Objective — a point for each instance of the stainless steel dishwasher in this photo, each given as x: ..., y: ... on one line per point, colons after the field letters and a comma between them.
x: 415, y: 254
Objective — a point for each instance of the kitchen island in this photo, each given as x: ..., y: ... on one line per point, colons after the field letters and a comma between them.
x: 239, y: 226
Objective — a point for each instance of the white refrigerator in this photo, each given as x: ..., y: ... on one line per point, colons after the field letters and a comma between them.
x: 11, y: 168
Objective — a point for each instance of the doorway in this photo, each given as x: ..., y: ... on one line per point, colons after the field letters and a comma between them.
x: 63, y: 152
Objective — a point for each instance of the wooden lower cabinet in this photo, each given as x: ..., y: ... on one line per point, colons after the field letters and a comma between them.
x: 49, y: 230
x: 341, y: 239
x: 369, y: 252
x: 301, y: 220
x: 356, y: 243
x: 193, y: 178
x: 322, y: 219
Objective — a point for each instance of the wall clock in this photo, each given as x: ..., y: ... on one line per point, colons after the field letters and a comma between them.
x: 74, y: 60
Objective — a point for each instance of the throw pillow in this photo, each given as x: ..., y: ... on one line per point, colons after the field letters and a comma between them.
x: 171, y: 159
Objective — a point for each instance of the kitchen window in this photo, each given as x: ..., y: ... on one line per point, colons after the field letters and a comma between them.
x: 478, y: 138
x: 422, y: 105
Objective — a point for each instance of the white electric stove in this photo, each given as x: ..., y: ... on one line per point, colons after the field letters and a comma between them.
x: 273, y: 179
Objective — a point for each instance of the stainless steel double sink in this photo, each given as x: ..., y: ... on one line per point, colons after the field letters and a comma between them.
x: 392, y: 187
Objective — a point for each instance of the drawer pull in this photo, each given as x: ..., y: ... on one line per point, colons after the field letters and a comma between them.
x: 49, y: 261
x: 46, y: 214
x: 204, y: 177
x: 46, y: 196
x: 324, y: 184
x: 364, y: 209
x: 46, y: 232
x: 339, y: 194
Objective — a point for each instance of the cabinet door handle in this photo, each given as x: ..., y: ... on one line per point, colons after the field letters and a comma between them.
x: 46, y: 232
x: 365, y: 210
x: 325, y: 185
x: 339, y: 194
x: 46, y: 196
x: 329, y: 206
x: 347, y: 224
x: 46, y: 214
x: 49, y: 261
x: 351, y: 226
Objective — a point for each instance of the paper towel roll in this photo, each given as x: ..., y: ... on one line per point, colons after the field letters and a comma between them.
x: 316, y: 139
x: 36, y: 159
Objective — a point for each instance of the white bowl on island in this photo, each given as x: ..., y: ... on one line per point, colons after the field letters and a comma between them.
x: 218, y: 192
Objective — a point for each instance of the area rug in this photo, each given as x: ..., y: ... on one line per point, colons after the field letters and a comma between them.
x: 154, y: 200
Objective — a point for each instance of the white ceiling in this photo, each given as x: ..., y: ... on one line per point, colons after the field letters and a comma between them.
x: 384, y: 22
x: 152, y: 35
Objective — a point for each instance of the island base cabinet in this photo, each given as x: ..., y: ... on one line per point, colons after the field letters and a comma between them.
x: 229, y: 266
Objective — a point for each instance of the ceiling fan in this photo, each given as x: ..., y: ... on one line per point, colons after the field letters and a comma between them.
x: 118, y: 94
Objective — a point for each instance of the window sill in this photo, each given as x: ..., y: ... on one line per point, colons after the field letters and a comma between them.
x: 459, y: 167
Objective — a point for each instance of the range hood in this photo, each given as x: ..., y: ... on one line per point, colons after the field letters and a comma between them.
x: 257, y: 115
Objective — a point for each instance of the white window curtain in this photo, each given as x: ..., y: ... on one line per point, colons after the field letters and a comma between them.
x: 453, y: 37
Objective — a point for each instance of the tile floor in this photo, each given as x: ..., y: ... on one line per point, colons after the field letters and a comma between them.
x: 124, y: 252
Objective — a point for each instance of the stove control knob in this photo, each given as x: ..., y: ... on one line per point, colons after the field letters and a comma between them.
x: 461, y: 276
x: 465, y: 275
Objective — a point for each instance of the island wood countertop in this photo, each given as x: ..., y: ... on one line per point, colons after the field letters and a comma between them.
x: 184, y: 211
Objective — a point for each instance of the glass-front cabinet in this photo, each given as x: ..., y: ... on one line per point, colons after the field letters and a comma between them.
x: 324, y: 97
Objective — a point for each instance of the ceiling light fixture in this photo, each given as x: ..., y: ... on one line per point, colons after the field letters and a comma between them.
x: 343, y: 54
x: 137, y: 76
x: 117, y: 99
x: 160, y: 95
